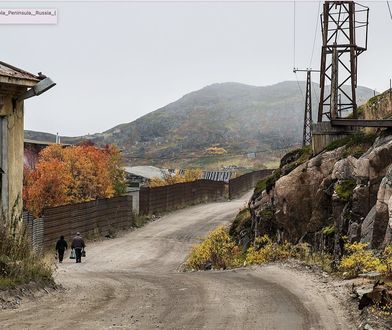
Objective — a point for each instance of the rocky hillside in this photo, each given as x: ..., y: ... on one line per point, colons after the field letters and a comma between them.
x: 378, y: 107
x: 238, y: 118
x: 344, y: 191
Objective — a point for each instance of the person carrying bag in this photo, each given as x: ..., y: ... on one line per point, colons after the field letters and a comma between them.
x: 78, y: 245
x: 72, y: 256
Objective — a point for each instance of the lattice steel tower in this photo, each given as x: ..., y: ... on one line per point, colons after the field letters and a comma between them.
x: 345, y: 34
x: 307, y: 134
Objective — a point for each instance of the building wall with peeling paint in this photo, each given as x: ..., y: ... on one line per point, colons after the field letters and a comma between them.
x: 11, y: 140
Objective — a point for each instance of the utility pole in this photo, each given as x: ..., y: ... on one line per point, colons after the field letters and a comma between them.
x: 307, y: 131
x: 340, y: 22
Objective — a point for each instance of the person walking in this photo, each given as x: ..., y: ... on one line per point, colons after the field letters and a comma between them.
x: 61, y: 246
x: 78, y: 245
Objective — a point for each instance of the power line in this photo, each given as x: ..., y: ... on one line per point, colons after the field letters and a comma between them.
x: 299, y: 86
x: 389, y: 8
x: 294, y: 32
x: 294, y: 49
x: 315, y: 34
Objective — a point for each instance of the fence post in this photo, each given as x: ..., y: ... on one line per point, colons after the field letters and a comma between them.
x: 38, y: 234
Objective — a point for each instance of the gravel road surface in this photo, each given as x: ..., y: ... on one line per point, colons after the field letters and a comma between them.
x: 133, y: 282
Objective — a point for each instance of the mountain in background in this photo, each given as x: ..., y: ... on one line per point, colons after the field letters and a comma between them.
x: 239, y: 118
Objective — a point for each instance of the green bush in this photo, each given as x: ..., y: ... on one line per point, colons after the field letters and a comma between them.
x: 338, y: 143
x: 140, y: 220
x: 242, y: 221
x: 360, y: 113
x: 357, y: 139
x: 267, y: 213
x: 329, y: 230
x: 344, y: 189
x: 261, y: 186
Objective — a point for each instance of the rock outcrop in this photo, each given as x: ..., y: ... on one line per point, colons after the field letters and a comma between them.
x: 330, y: 196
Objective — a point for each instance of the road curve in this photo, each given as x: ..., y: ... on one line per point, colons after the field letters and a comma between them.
x: 132, y: 282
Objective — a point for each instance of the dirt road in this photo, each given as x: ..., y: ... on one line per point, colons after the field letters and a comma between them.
x: 132, y: 282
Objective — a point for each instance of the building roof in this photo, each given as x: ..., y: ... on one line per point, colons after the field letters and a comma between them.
x: 44, y: 143
x: 10, y: 74
x: 147, y: 172
x: 217, y: 175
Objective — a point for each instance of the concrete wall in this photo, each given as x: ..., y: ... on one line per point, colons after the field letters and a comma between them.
x: 134, y: 192
x: 11, y: 140
x: 323, y: 134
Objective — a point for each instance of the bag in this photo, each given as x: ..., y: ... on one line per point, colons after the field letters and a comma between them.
x: 73, y: 255
x: 83, y: 253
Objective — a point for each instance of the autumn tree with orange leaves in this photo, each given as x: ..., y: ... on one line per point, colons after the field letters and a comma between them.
x: 72, y: 175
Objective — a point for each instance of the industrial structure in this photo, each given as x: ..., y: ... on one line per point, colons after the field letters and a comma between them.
x: 344, y: 26
x: 16, y: 85
x: 308, y: 121
x: 344, y: 38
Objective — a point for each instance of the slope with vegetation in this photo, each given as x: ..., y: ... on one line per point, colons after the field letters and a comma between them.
x: 213, y: 127
x: 333, y: 210
x: 19, y: 264
x: 345, y: 189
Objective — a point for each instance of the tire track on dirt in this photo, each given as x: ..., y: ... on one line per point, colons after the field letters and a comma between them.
x: 132, y: 283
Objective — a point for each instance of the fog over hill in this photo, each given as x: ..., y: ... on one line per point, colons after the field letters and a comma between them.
x: 237, y: 117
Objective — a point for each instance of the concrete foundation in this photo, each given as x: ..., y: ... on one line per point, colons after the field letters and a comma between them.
x: 324, y: 133
x: 134, y: 192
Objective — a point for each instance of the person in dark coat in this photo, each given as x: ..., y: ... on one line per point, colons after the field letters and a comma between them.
x: 78, y: 245
x: 61, y: 246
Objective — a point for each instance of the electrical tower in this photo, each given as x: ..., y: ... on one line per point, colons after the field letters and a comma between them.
x: 307, y: 132
x: 345, y: 34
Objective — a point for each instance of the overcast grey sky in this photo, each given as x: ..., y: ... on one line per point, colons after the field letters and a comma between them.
x: 115, y: 61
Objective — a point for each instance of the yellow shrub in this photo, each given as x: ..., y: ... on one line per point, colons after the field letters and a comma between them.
x: 324, y: 260
x: 301, y: 251
x: 157, y: 182
x: 216, y: 150
x: 387, y: 259
x: 192, y: 175
x: 267, y: 251
x: 359, y: 260
x: 169, y: 179
x: 218, y: 250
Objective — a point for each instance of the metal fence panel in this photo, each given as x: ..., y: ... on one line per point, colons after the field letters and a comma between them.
x: 38, y: 234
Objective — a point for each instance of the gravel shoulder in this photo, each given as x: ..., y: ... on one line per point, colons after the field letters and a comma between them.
x: 133, y: 282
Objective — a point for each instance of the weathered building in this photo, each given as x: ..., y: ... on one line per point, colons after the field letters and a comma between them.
x: 32, y: 148
x: 15, y: 86
x: 224, y: 176
x: 138, y: 176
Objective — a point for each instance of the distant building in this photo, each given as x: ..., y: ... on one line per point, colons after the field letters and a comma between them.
x: 16, y: 85
x: 32, y: 148
x: 224, y: 176
x: 138, y: 176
